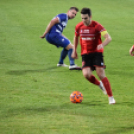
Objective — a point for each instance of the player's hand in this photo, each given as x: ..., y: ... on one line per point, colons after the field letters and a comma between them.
x: 42, y: 36
x: 74, y: 55
x: 100, y: 46
x: 131, y: 51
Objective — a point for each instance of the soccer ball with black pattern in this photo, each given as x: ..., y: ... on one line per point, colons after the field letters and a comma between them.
x: 76, y: 97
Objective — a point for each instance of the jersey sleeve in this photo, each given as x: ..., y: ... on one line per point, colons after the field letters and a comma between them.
x: 100, y: 28
x: 62, y: 17
x: 76, y: 31
x: 103, y: 33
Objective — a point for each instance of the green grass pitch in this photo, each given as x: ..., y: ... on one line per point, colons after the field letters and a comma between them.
x: 34, y: 93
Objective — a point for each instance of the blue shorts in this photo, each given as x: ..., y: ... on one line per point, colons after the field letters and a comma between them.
x: 57, y: 39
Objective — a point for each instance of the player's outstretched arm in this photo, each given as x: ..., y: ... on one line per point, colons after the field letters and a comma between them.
x: 50, y: 25
x: 74, y: 53
x: 131, y: 51
x: 106, y: 41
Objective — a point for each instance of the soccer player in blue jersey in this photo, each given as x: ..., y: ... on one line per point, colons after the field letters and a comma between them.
x: 53, y: 35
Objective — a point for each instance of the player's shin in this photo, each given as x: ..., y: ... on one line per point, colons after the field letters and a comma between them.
x: 63, y: 55
x: 93, y: 80
x: 107, y: 86
x: 70, y: 58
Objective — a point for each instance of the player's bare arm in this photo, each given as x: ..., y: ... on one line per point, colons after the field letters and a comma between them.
x: 106, y: 41
x: 131, y: 51
x: 74, y: 53
x: 50, y: 25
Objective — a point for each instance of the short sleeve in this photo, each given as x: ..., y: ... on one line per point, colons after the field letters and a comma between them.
x: 99, y: 28
x: 62, y: 17
x: 76, y: 31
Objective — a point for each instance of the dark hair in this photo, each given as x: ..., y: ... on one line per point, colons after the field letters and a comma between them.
x: 86, y: 11
x: 75, y: 8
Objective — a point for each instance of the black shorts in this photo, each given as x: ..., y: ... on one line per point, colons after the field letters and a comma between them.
x: 92, y: 60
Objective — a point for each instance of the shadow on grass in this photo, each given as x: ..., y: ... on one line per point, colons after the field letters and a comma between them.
x: 128, y: 104
x: 121, y: 73
x: 93, y: 103
x: 118, y: 130
x: 19, y: 62
x: 66, y: 108
x: 22, y: 72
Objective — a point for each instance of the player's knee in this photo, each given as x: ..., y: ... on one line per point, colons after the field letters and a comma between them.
x: 101, y: 75
x: 86, y: 75
x: 100, y: 72
x: 70, y: 46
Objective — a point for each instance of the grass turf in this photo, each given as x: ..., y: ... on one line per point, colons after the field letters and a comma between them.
x: 34, y: 93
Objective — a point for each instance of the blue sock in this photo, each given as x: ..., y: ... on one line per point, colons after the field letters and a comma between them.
x: 70, y: 58
x: 63, y: 55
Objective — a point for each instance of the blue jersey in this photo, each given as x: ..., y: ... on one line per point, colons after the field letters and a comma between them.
x: 63, y: 18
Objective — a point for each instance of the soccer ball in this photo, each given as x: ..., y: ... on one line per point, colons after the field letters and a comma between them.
x: 76, y: 97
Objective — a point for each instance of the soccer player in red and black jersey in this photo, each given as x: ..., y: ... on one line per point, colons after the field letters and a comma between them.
x: 131, y: 51
x: 90, y: 33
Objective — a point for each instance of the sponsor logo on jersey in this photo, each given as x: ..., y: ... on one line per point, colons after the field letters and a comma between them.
x: 60, y: 27
x: 84, y: 31
x: 88, y: 38
x: 58, y: 31
x: 64, y: 23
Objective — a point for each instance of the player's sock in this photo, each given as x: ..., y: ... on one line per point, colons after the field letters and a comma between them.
x: 107, y: 86
x: 70, y: 58
x: 93, y: 80
x: 63, y: 55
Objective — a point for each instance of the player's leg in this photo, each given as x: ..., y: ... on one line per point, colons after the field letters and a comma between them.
x: 65, y: 43
x: 63, y: 55
x: 58, y: 40
x: 61, y: 41
x: 99, y: 64
x: 87, y: 69
x: 101, y: 73
x: 87, y: 73
x: 72, y: 66
x: 67, y: 50
x: 69, y: 47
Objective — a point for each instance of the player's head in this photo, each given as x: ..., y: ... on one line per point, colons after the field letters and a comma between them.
x: 86, y: 15
x: 72, y: 12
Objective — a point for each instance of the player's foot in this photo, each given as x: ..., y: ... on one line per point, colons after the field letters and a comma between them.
x: 112, y: 100
x: 102, y: 88
x: 74, y: 67
x: 62, y: 65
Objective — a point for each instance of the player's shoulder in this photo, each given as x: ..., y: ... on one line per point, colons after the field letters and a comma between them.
x: 62, y: 17
x: 62, y: 14
x: 80, y: 24
x: 95, y: 23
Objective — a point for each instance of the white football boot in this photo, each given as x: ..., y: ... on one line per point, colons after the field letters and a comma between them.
x: 74, y: 67
x: 111, y: 100
x: 62, y: 65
